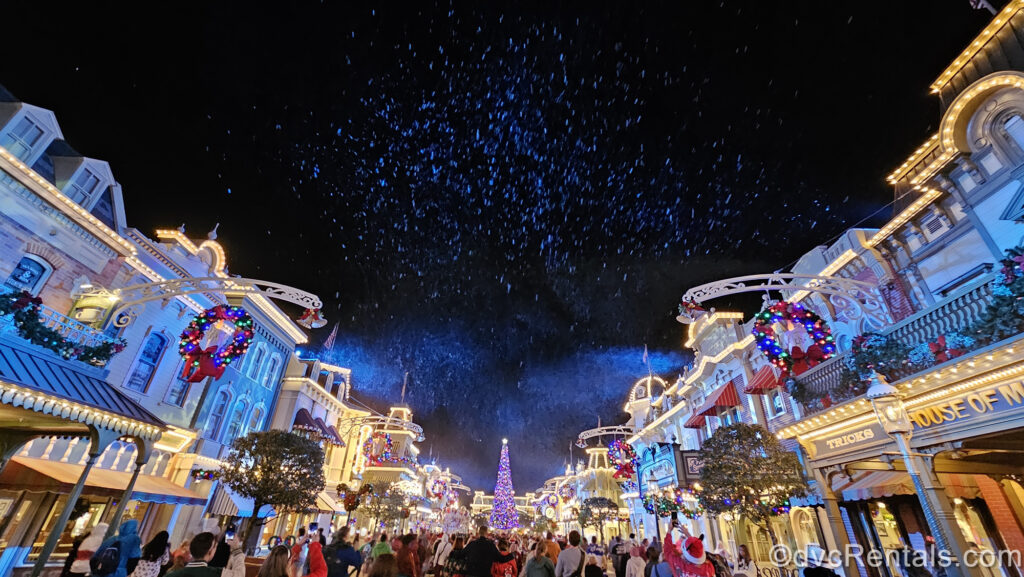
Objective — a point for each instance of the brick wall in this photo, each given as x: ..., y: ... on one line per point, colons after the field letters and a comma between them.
x: 1003, y: 515
x: 16, y: 241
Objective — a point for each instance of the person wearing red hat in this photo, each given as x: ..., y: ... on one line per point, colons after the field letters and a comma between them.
x: 685, y: 553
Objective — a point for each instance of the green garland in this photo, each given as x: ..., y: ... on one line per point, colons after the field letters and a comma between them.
x: 25, y: 309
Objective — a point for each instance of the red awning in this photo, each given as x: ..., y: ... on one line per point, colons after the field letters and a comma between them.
x: 696, y: 421
x: 725, y: 397
x: 764, y: 380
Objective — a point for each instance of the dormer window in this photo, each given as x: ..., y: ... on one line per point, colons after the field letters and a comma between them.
x: 85, y: 186
x: 20, y: 140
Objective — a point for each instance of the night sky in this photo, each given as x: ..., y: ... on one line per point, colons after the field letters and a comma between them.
x: 504, y: 200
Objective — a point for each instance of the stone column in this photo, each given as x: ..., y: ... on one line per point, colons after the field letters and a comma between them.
x: 65, y: 514
x: 122, y: 503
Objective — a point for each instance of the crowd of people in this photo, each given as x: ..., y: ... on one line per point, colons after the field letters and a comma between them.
x: 213, y: 553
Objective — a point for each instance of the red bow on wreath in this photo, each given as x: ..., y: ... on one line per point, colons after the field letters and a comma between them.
x: 799, y: 358
x: 941, y: 353
x: 206, y: 367
x: 625, y: 470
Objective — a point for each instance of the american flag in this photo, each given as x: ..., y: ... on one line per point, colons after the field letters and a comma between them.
x: 329, y: 341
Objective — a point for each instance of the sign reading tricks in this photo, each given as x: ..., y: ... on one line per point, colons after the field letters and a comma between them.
x: 991, y: 400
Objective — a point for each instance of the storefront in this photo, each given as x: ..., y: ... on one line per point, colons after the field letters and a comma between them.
x: 966, y: 443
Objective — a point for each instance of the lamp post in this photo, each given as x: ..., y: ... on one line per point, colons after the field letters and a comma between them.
x: 653, y: 489
x: 892, y: 416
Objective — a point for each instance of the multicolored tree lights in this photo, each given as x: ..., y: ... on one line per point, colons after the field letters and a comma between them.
x: 504, y: 515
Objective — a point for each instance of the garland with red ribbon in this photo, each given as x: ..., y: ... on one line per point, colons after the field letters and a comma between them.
x: 623, y: 457
x: 211, y: 361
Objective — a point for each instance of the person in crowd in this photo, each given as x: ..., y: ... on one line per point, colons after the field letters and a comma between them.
x: 481, y: 553
x: 442, y: 549
x: 179, y: 557
x: 80, y: 566
x: 155, y: 555
x: 76, y: 542
x: 202, y: 548
x: 129, y: 543
x: 276, y: 564
x: 592, y: 569
x: 551, y: 548
x: 572, y: 559
x: 597, y: 551
x: 456, y: 564
x: 382, y: 547
x: 341, y: 556
x: 745, y: 565
x: 632, y: 540
x: 385, y: 565
x: 616, y: 551
x: 223, y: 551
x: 652, y: 560
x: 408, y: 557
x: 636, y: 563
x: 645, y: 544
x: 235, y: 566
x: 656, y: 543
x: 656, y: 569
x: 537, y: 563
x: 298, y: 554
x: 505, y: 568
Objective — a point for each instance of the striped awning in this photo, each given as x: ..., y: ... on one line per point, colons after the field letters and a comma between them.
x: 723, y: 398
x: 696, y: 421
x: 337, y: 436
x: 31, y: 474
x: 878, y: 484
x: 230, y: 504
x: 764, y: 380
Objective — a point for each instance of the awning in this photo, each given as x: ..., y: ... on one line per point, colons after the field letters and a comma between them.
x: 327, y: 432
x: 878, y: 484
x: 326, y: 504
x: 304, y: 421
x: 26, y: 473
x: 231, y: 504
x: 725, y: 397
x: 696, y: 421
x: 340, y: 442
x: 764, y: 380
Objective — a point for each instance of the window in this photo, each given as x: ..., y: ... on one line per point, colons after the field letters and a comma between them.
x: 255, y: 420
x: 104, y: 208
x: 178, y: 391
x: 729, y: 416
x: 270, y: 376
x: 235, y: 424
x: 142, y: 374
x: 30, y: 275
x: 220, y: 406
x: 776, y: 404
x: 256, y: 361
x: 22, y: 138
x: 1015, y: 129
x: 85, y: 185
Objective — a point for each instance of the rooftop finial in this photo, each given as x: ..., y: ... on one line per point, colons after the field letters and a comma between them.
x: 212, y: 235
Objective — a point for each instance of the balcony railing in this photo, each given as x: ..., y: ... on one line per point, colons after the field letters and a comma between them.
x: 959, y: 310
x: 68, y: 327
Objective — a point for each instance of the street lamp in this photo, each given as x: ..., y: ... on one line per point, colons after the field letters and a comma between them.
x: 892, y: 415
x: 653, y: 489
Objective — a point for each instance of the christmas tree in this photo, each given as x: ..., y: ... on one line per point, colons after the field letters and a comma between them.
x: 504, y: 515
x: 1004, y: 316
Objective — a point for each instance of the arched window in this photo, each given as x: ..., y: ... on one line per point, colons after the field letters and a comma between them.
x: 255, y: 420
x: 257, y: 361
x: 236, y: 421
x: 270, y: 375
x: 220, y: 406
x: 146, y: 364
x: 1014, y: 127
x: 29, y: 275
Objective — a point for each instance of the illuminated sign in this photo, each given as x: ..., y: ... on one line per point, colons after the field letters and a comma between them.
x: 985, y: 401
